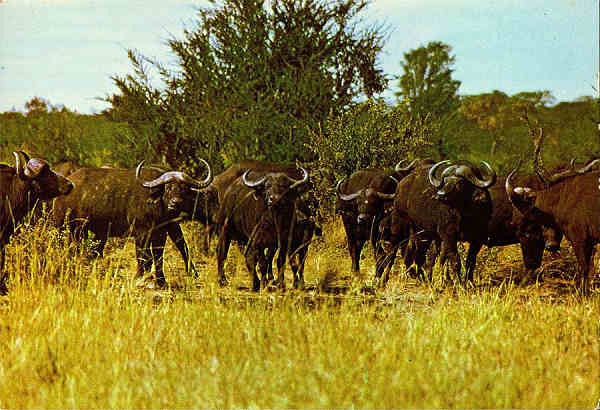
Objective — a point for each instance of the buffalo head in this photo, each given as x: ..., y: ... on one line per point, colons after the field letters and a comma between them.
x: 369, y: 200
x: 276, y: 186
x: 46, y: 184
x: 181, y: 193
x: 454, y: 179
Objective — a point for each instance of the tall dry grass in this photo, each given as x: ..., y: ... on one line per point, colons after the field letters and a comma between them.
x: 75, y: 332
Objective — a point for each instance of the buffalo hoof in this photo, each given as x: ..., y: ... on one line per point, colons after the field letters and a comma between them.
x: 528, y: 279
x: 150, y: 284
x: 223, y: 282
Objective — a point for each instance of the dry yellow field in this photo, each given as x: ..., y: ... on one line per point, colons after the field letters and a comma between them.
x: 76, y: 333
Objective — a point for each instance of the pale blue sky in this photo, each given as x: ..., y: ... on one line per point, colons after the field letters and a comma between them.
x: 66, y: 50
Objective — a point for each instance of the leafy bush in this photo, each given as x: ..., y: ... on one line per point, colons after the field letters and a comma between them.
x: 370, y: 134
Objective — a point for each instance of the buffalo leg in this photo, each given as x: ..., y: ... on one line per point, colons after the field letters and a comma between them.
x: 252, y: 258
x: 143, y: 256
x: 267, y: 269
x: 355, y: 244
x: 449, y: 253
x: 299, y: 262
x: 471, y: 262
x: 176, y: 235
x: 157, y: 248
x: 584, y: 252
x: 384, y: 265
x: 431, y: 255
x: 222, y: 250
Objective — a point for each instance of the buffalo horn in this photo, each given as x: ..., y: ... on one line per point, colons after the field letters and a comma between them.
x: 301, y: 181
x: 482, y: 183
x: 383, y: 195
x: 344, y: 197
x: 432, y: 179
x: 171, y: 176
x: 19, y: 166
x: 138, y: 169
x: 588, y: 167
x: 572, y: 172
x: 252, y: 184
x: 408, y: 168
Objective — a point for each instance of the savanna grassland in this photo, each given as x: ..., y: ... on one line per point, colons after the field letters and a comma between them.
x: 76, y: 332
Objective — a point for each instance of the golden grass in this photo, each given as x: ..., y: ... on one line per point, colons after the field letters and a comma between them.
x: 76, y: 333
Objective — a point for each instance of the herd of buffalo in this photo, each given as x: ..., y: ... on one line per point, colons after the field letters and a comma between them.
x: 422, y: 209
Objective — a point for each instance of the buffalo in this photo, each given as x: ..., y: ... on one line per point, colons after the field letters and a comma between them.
x: 221, y: 182
x: 260, y: 213
x: 362, y: 200
x: 21, y: 187
x: 570, y: 204
x: 506, y: 226
x: 454, y: 206
x: 144, y: 203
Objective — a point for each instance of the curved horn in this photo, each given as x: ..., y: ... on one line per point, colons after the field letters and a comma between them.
x: 209, y: 178
x: 252, y: 184
x: 302, y: 181
x: 385, y: 196
x: 516, y: 195
x: 171, y: 176
x: 558, y: 177
x: 138, y: 169
x: 508, y: 186
x: 345, y: 197
x: 432, y: 179
x: 588, y: 167
x: 19, y: 166
x: 25, y: 156
x: 481, y: 183
x: 408, y: 168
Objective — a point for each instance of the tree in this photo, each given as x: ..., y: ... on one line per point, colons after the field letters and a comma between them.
x: 253, y: 78
x: 497, y: 112
x: 427, y: 87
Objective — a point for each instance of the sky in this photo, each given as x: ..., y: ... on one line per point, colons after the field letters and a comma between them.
x: 66, y: 51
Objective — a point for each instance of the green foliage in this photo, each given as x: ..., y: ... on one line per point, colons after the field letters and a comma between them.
x: 253, y: 79
x: 370, y: 134
x: 58, y: 134
x: 427, y: 87
x: 497, y: 127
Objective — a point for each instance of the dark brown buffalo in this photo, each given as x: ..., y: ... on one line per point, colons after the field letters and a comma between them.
x: 569, y: 203
x: 221, y: 182
x: 302, y: 235
x: 362, y: 200
x: 144, y: 203
x: 506, y: 227
x: 260, y: 213
x: 455, y: 206
x: 21, y: 187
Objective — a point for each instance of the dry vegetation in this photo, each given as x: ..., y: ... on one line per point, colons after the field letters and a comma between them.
x: 75, y: 332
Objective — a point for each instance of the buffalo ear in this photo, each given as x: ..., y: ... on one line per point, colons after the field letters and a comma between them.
x: 157, y: 192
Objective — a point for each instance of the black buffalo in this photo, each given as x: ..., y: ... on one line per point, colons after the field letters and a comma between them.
x: 448, y: 208
x: 221, y: 182
x: 260, y: 213
x: 31, y: 180
x: 361, y: 201
x: 144, y: 203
